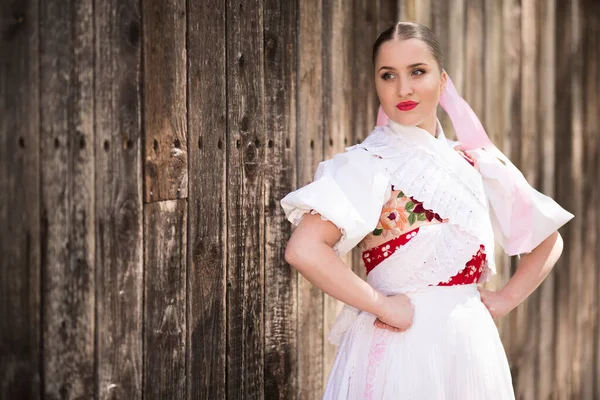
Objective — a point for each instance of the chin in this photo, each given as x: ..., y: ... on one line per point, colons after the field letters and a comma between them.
x: 403, y: 118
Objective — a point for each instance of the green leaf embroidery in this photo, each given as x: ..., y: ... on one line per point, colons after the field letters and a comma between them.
x: 400, y: 194
x: 409, y: 206
x: 377, y: 232
x: 412, y: 218
x: 422, y: 217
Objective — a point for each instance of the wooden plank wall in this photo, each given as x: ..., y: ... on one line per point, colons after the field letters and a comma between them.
x: 147, y: 146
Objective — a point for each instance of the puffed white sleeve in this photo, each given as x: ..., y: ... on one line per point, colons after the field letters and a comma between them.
x: 348, y: 190
x: 522, y: 217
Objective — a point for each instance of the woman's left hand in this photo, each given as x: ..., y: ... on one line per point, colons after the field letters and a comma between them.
x: 496, y: 302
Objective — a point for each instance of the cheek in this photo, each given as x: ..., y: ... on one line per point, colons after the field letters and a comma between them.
x: 386, y: 94
x: 430, y: 90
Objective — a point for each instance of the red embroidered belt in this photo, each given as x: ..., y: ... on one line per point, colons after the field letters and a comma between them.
x: 470, y: 274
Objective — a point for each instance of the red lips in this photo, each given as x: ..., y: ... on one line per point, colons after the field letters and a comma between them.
x: 406, y: 105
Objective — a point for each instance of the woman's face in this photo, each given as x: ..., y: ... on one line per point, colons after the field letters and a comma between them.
x: 409, y: 82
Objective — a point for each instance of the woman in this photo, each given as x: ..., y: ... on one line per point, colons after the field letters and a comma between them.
x: 425, y: 213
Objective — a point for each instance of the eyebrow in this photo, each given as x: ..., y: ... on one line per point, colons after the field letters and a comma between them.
x: 410, y: 66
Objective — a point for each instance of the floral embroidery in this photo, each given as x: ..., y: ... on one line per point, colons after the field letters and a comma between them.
x: 402, y: 211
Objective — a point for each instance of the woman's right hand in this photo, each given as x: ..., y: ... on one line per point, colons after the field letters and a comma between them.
x: 397, y: 314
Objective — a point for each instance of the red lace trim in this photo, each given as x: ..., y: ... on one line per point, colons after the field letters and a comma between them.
x: 470, y: 274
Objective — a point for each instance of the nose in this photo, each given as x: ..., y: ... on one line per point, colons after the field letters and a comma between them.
x: 404, y: 87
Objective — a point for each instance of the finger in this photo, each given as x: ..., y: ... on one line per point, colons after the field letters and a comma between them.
x: 382, y: 325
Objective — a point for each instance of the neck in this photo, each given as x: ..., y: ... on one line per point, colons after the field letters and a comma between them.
x: 430, y: 125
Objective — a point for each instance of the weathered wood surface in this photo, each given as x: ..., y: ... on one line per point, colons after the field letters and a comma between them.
x: 207, y: 206
x: 245, y: 209
x: 147, y: 146
x: 281, y: 281
x: 309, y: 151
x: 165, y: 100
x: 118, y: 199
x: 545, y: 115
x: 564, y: 331
x: 67, y: 198
x: 20, y: 257
x: 165, y: 324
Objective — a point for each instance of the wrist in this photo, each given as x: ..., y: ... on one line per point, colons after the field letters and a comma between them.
x: 380, y: 305
x: 509, y: 297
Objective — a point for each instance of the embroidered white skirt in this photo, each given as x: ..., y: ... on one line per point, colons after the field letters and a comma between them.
x: 451, y: 352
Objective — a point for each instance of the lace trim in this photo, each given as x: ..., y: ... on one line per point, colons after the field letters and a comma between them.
x: 297, y: 214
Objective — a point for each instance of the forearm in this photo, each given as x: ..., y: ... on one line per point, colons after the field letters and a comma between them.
x: 319, y: 264
x: 532, y: 270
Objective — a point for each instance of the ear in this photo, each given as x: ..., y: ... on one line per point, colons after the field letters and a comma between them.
x: 443, y: 81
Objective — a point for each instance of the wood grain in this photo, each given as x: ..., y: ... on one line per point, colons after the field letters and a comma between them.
x: 576, y: 305
x: 207, y: 201
x: 165, y: 230
x: 281, y: 280
x: 245, y: 194
x: 511, y: 114
x: 309, y: 152
x: 528, y: 313
x: 547, y: 142
x: 20, y: 271
x: 564, y: 147
x: 118, y: 198
x: 67, y: 196
x: 165, y: 102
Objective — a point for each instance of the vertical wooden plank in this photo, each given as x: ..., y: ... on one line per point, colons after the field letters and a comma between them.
x: 592, y: 131
x: 207, y: 213
x: 564, y: 195
x: 281, y: 281
x: 337, y: 108
x: 547, y: 138
x: 118, y: 193
x: 165, y: 177
x: 528, y: 313
x: 67, y: 195
x: 164, y: 305
x: 511, y: 114
x: 577, y: 177
x: 20, y: 202
x: 309, y: 153
x: 165, y: 127
x: 245, y: 216
x: 590, y: 107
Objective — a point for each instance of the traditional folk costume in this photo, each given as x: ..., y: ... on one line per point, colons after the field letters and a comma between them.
x: 426, y: 217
